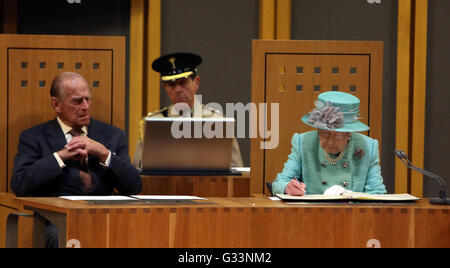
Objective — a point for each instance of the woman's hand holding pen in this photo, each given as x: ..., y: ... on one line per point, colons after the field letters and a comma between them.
x: 295, y: 187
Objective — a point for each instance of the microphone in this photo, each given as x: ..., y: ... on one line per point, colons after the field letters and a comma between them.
x: 442, y: 199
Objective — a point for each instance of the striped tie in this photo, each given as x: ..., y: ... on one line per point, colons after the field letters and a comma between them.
x: 85, y: 177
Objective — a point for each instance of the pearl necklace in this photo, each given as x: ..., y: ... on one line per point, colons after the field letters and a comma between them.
x: 334, y: 161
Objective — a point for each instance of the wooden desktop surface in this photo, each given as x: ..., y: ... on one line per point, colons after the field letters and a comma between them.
x: 250, y: 222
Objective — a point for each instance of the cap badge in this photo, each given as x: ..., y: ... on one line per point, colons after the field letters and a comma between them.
x: 172, y: 60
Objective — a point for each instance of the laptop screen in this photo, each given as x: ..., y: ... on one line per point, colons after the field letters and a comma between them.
x: 188, y: 144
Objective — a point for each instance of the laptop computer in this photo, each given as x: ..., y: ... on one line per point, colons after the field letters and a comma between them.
x: 187, y: 146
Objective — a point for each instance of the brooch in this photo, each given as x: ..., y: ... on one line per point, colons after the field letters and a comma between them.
x: 359, y: 153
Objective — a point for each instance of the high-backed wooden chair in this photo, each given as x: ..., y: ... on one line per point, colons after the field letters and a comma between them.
x: 293, y: 74
x: 28, y: 64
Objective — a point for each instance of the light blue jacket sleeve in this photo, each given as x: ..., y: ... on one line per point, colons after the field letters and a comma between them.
x: 292, y: 167
x: 374, y: 182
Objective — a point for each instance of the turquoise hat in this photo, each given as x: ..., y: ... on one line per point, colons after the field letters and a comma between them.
x: 336, y: 111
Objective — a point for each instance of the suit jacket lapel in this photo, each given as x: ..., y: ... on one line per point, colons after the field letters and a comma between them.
x: 55, y: 136
x: 94, y: 132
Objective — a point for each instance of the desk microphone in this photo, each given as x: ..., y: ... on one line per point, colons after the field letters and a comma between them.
x: 442, y: 200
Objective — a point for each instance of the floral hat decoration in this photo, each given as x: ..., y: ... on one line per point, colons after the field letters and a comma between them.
x: 336, y: 111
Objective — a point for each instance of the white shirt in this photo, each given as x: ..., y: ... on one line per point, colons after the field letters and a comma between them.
x: 66, y: 130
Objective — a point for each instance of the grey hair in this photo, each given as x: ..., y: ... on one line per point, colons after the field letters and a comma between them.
x: 57, y: 88
x: 328, y: 117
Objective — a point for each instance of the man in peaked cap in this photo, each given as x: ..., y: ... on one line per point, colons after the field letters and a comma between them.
x: 180, y: 80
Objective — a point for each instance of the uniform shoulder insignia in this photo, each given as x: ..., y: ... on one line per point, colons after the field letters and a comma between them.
x: 156, y: 113
x: 210, y: 112
x: 164, y: 110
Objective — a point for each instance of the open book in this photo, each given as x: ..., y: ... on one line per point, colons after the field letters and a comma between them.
x: 349, y: 196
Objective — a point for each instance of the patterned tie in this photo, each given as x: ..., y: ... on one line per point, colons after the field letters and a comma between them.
x: 85, y: 177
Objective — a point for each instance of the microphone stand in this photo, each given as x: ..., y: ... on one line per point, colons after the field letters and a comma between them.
x: 442, y: 199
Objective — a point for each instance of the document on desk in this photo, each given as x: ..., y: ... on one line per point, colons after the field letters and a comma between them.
x: 98, y: 198
x: 167, y: 197
x: 349, y: 197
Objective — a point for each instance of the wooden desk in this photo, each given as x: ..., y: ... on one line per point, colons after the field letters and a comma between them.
x: 25, y: 225
x: 205, y: 186
x: 247, y: 222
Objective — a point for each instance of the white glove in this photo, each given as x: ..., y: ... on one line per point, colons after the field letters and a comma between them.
x: 336, y: 190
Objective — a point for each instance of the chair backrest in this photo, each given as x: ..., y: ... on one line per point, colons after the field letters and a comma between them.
x: 28, y: 64
x: 293, y: 74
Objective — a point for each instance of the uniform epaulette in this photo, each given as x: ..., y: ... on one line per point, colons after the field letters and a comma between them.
x: 142, y: 123
x: 158, y: 112
x: 211, y: 110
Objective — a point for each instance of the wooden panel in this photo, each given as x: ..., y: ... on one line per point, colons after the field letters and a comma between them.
x: 283, y: 22
x: 427, y: 235
x: 251, y: 223
x: 295, y: 80
x: 28, y: 64
x: 136, y: 96
x: 153, y: 88
x: 419, y: 91
x: 267, y: 19
x: 3, y: 123
x: 25, y: 228
x: 369, y: 52
x: 4, y: 212
x: 403, y: 108
x: 204, y: 186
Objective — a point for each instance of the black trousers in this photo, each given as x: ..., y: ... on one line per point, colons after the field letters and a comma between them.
x: 51, y: 235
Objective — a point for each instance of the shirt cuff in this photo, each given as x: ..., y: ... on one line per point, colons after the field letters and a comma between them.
x: 108, y: 160
x: 60, y: 162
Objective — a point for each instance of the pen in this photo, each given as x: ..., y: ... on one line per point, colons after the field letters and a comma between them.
x: 295, y: 178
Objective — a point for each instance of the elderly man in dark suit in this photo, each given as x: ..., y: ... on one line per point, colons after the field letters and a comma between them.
x: 73, y: 154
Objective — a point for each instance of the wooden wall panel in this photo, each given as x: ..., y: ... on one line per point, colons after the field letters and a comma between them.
x: 402, y: 139
x: 295, y: 80
x: 283, y: 20
x: 267, y: 17
x: 419, y: 91
x: 274, y: 82
x: 145, y: 47
x: 28, y: 66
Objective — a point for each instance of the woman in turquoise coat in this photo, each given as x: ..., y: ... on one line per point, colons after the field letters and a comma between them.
x: 335, y: 159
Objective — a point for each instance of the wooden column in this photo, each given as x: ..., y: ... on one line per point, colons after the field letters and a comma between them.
x: 267, y: 19
x: 403, y: 119
x: 153, y: 52
x: 283, y: 20
x: 135, y: 110
x: 145, y: 46
x: 411, y: 92
x: 419, y: 98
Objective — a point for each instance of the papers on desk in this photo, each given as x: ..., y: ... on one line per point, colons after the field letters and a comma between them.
x: 167, y: 197
x: 98, y: 198
x: 241, y: 169
x: 131, y: 198
x: 350, y: 197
